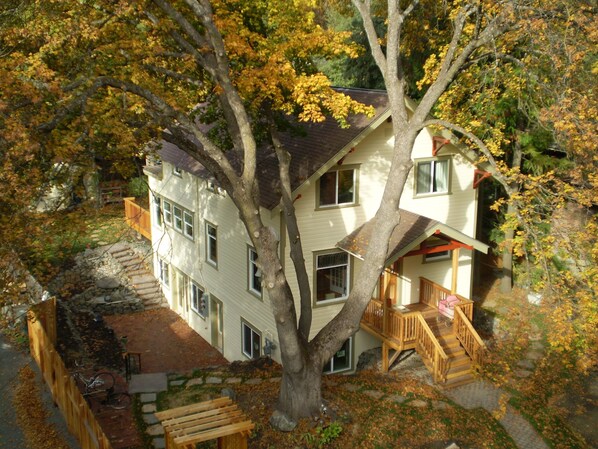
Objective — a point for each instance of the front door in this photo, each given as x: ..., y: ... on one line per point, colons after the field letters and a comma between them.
x: 217, y: 321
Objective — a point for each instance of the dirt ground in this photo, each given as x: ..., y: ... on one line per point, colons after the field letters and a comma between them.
x: 165, y: 341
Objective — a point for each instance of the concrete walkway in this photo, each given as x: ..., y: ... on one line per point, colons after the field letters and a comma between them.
x: 481, y: 394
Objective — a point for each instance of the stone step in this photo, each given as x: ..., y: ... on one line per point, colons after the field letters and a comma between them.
x: 151, y: 297
x: 143, y: 279
x: 139, y: 272
x: 148, y: 289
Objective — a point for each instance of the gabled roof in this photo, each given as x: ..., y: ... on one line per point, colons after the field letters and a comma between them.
x: 319, y: 146
x: 412, y: 230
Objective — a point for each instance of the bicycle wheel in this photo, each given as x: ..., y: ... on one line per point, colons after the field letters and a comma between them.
x: 118, y: 401
x: 101, y: 381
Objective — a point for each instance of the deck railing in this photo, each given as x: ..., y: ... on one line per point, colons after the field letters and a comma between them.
x: 138, y: 218
x: 427, y: 345
x: 468, y: 337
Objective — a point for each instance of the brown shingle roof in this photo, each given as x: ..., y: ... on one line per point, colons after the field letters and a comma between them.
x: 411, y: 230
x: 317, y: 144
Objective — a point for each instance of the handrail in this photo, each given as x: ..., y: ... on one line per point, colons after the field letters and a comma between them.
x: 439, y: 358
x: 467, y: 335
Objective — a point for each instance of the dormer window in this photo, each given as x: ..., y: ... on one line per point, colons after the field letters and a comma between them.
x: 338, y: 188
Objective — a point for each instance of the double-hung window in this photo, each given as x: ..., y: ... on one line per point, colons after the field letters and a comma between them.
x: 341, y: 360
x: 255, y: 280
x: 178, y: 218
x: 167, y: 212
x: 198, y: 300
x: 432, y: 176
x: 188, y: 224
x: 211, y: 244
x: 158, y: 210
x: 337, y: 188
x: 252, y: 341
x: 165, y: 273
x: 332, y: 276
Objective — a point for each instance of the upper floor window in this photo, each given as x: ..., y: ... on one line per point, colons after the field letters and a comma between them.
x: 167, y: 212
x: 188, y: 224
x: 432, y: 176
x: 332, y: 276
x: 158, y: 210
x: 178, y: 218
x: 255, y: 279
x: 337, y: 187
x: 211, y: 244
x: 252, y: 341
x: 198, y: 300
x: 177, y: 171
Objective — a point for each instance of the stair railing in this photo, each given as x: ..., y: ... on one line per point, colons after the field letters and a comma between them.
x: 468, y: 337
x: 428, y: 346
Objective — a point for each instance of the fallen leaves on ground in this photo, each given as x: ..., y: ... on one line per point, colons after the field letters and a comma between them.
x: 32, y: 417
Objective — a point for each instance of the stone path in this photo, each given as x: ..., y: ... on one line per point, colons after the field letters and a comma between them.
x: 482, y: 394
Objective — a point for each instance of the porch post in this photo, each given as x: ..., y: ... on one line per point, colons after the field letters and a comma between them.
x: 455, y: 270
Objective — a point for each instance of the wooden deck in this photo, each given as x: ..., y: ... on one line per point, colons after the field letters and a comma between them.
x: 451, y: 349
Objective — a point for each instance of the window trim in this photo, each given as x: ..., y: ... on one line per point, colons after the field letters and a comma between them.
x: 433, y: 161
x: 194, y: 286
x: 177, y: 222
x: 167, y: 211
x: 158, y: 213
x: 165, y: 267
x: 250, y: 274
x: 336, y: 205
x: 187, y: 224
x: 325, y: 302
x: 331, y: 361
x: 212, y: 261
x: 253, y: 329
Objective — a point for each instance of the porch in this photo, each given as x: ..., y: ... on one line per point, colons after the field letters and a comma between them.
x: 451, y: 349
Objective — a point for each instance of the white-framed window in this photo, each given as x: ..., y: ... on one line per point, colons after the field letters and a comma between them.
x: 177, y: 171
x: 157, y: 210
x: 337, y: 188
x: 167, y: 206
x: 178, y: 218
x: 332, y: 276
x: 165, y: 273
x: 188, y: 224
x: 254, y: 274
x: 341, y: 360
x: 212, y: 244
x: 199, y: 300
x: 252, y: 341
x: 432, y: 176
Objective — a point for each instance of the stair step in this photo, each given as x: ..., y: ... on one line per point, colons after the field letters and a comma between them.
x: 459, y: 371
x: 460, y: 360
x: 457, y: 382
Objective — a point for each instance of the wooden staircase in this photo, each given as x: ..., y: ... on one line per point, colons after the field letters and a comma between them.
x: 460, y: 365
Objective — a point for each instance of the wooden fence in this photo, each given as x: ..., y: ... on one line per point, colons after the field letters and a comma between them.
x: 77, y: 413
x: 138, y: 218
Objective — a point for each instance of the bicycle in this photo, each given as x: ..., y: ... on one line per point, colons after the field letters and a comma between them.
x: 101, y: 385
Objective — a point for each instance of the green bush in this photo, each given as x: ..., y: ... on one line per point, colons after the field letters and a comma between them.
x: 138, y: 187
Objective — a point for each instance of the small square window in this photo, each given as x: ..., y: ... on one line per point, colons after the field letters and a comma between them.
x: 177, y: 171
x: 337, y: 188
x: 211, y: 244
x: 252, y: 341
x: 432, y: 177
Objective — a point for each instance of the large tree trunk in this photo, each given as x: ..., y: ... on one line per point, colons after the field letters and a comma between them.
x: 301, y: 392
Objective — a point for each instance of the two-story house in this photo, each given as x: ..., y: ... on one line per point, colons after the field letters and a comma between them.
x: 206, y: 264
